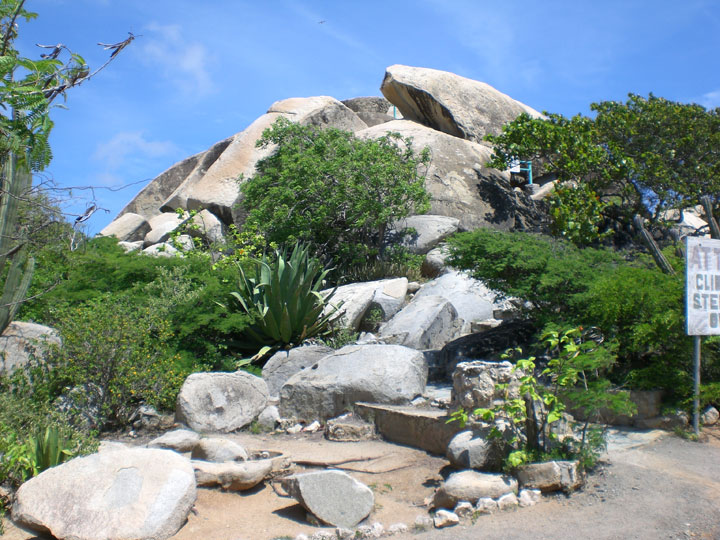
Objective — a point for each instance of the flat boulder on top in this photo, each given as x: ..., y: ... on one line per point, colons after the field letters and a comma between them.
x: 137, y: 493
x: 220, y: 402
x: 459, y: 183
x: 425, y: 323
x: 471, y: 486
x: 21, y: 341
x: 334, y: 497
x: 389, y: 374
x: 450, y: 103
x: 232, y: 475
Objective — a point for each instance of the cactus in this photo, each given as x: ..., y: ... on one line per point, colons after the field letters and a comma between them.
x: 15, y: 183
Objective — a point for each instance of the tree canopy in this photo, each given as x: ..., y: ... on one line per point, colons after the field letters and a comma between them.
x: 644, y: 156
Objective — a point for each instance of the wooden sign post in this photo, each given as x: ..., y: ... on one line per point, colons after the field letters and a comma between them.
x: 702, y: 301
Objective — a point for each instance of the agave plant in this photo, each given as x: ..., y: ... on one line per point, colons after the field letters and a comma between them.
x: 284, y: 296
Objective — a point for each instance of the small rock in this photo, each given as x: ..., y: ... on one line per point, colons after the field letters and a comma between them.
x: 423, y: 522
x: 218, y: 450
x: 269, y: 417
x: 551, y: 476
x: 349, y: 428
x: 323, y: 535
x: 313, y: 427
x: 376, y: 530
x: 529, y: 497
x: 231, y: 475
x: 445, y: 518
x: 344, y: 534
x: 464, y: 510
x: 334, y: 497
x: 486, y: 505
x: 710, y: 416
x: 297, y: 428
x: 302, y: 536
x: 145, y: 417
x: 413, y: 287
x: 397, y: 528
x: 180, y: 440
x: 507, y: 501
x: 471, y: 486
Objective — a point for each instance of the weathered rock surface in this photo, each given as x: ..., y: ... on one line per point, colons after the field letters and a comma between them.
x: 374, y: 373
x: 163, y: 249
x: 428, y: 322
x: 551, y: 476
x: 161, y: 226
x: 710, y: 416
x: 333, y: 497
x: 218, y: 450
x: 529, y: 497
x: 375, y: 104
x: 218, y: 189
x: 389, y: 297
x: 129, y: 247
x: 284, y: 364
x: 472, y: 300
x: 460, y: 185
x: 445, y: 518
x: 356, y: 299
x: 486, y: 505
x: 434, y: 263
x: 232, y: 475
x: 180, y: 440
x: 471, y: 486
x: 475, y: 383
x: 220, y: 402
x: 207, y: 226
x: 450, y: 103
x: 127, y: 228
x: 508, y: 501
x: 269, y: 417
x: 22, y: 341
x: 136, y: 493
x: 429, y: 231
x: 148, y: 201
x: 488, y: 345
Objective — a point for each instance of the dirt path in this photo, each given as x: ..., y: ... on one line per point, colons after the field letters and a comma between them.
x: 667, y: 488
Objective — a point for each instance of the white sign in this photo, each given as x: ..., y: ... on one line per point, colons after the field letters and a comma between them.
x: 703, y: 286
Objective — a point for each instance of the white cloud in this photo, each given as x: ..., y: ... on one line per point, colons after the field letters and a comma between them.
x: 130, y: 145
x: 182, y: 62
x: 711, y: 100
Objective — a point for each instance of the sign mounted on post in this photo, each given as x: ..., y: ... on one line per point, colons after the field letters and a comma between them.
x: 703, y: 286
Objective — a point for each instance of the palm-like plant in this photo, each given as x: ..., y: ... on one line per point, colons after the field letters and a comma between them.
x: 284, y: 297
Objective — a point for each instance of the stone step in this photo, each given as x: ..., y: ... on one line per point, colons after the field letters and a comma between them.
x: 425, y: 429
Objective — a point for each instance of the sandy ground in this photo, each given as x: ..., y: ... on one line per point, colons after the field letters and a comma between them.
x: 647, y: 487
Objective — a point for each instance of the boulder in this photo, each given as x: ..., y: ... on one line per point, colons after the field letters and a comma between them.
x: 333, y: 497
x: 269, y: 417
x: 220, y: 402
x: 218, y: 450
x: 349, y: 428
x: 710, y: 416
x: 207, y: 226
x: 356, y: 299
x: 486, y: 505
x: 129, y: 247
x: 428, y: 322
x: 136, y: 493
x: 476, y: 449
x: 232, y: 475
x: 461, y: 186
x: 450, y: 103
x: 162, y: 250
x: 434, y: 263
x: 472, y: 300
x: 161, y: 226
x: 180, y: 440
x: 374, y: 104
x: 529, y: 497
x: 127, y: 228
x: 374, y: 373
x: 389, y: 297
x: 475, y: 384
x: 20, y: 342
x: 471, y: 486
x: 464, y: 510
x: 218, y: 189
x: 284, y: 364
x: 148, y: 201
x: 551, y: 476
x: 429, y: 231
x: 508, y: 501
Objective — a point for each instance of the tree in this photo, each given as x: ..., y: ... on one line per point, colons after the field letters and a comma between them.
x: 27, y: 91
x: 641, y: 157
x: 336, y: 192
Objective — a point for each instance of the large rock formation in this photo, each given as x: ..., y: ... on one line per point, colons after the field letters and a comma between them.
x: 22, y: 341
x: 450, y: 103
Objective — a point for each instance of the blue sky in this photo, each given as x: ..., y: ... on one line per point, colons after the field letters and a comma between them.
x: 203, y: 70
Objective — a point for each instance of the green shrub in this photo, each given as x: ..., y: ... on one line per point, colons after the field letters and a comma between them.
x: 336, y: 192
x: 284, y: 298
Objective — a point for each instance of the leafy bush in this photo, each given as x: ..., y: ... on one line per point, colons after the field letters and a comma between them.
x: 336, y: 192
x: 626, y: 297
x: 284, y: 297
